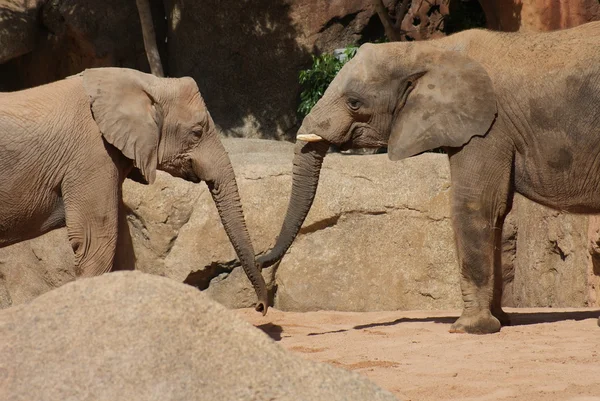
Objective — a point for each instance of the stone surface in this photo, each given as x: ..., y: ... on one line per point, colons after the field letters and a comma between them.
x: 377, y: 238
x: 18, y: 27
x: 31, y: 268
x: 594, y: 262
x: 424, y: 20
x: 245, y: 57
x: 551, y: 257
x: 59, y: 38
x: 127, y: 335
x: 539, y: 15
x: 374, y: 222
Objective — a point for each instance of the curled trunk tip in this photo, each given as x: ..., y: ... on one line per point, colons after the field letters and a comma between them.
x: 224, y: 191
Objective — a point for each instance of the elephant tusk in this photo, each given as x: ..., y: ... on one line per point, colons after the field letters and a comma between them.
x: 309, y: 138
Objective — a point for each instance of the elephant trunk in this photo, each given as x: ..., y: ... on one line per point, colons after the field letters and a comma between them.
x: 218, y: 174
x: 308, y: 158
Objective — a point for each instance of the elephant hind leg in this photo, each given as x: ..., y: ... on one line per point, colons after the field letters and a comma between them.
x: 497, y: 310
x: 92, y: 224
x: 125, y: 254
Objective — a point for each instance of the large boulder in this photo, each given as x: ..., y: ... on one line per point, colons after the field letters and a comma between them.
x: 378, y: 237
x: 132, y: 336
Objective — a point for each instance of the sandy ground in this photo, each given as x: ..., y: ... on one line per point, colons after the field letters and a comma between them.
x: 547, y: 354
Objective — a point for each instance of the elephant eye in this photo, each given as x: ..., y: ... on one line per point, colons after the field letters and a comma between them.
x: 197, y: 133
x: 354, y: 104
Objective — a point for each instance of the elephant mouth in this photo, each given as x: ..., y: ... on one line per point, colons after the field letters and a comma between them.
x: 189, y: 175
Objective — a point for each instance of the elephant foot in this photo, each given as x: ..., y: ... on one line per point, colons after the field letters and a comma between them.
x: 481, y: 323
x: 502, y: 316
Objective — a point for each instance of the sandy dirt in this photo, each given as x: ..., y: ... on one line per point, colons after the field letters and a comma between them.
x: 547, y: 354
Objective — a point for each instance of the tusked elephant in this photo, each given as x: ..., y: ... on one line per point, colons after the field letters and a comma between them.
x: 66, y: 147
x: 516, y: 112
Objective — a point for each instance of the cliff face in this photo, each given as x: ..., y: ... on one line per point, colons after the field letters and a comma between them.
x: 245, y: 56
x: 539, y: 15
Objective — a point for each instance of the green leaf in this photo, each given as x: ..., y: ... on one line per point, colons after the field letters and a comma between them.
x: 316, y: 80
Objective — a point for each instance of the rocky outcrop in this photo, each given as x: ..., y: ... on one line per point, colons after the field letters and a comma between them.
x: 52, y: 39
x: 18, y: 27
x: 539, y: 15
x: 131, y: 336
x: 377, y: 238
x: 245, y: 57
x: 551, y: 258
x: 594, y: 265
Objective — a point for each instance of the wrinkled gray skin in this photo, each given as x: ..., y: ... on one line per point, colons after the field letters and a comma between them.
x: 66, y: 147
x: 516, y: 113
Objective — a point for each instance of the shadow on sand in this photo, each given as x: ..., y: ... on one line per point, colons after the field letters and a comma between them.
x: 517, y: 319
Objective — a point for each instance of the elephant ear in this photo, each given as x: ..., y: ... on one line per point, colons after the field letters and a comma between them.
x: 128, y: 116
x: 452, y: 100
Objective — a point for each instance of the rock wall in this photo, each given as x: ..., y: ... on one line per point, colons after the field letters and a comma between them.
x: 246, y: 59
x: 377, y: 238
x: 551, y: 258
x: 245, y: 56
x: 63, y: 37
x: 539, y: 15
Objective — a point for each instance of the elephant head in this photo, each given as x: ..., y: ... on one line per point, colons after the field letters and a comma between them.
x: 163, y: 123
x: 410, y: 97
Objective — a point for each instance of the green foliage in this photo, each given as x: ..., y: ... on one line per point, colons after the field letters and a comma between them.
x: 316, y: 79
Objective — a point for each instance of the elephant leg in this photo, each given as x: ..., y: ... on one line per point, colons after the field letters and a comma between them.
x: 92, y: 223
x: 497, y: 310
x: 475, y: 246
x: 480, y: 202
x: 125, y: 254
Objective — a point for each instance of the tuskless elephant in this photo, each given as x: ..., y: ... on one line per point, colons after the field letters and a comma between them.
x: 516, y: 112
x: 66, y: 147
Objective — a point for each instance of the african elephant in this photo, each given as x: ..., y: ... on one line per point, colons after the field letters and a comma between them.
x: 516, y: 112
x: 66, y: 147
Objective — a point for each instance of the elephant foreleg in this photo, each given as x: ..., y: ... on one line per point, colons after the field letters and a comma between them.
x: 475, y: 246
x: 92, y: 225
x: 481, y: 200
